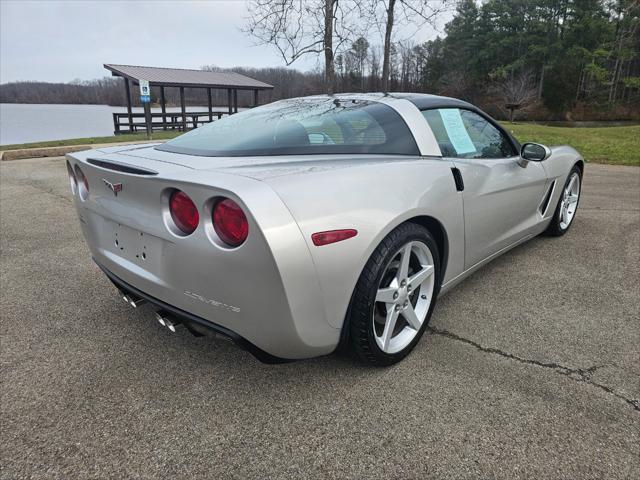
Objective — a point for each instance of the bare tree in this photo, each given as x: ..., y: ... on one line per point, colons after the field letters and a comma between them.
x: 386, y: 49
x: 374, y: 71
x: 518, y: 91
x: 302, y: 27
x: 400, y: 12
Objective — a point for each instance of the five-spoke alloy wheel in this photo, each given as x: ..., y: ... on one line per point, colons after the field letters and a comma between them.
x: 567, y: 205
x: 404, y: 296
x: 395, y: 295
x: 569, y: 202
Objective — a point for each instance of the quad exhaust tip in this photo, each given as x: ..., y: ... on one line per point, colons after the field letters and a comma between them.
x: 160, y: 319
x: 164, y: 318
x: 167, y: 320
x: 135, y: 302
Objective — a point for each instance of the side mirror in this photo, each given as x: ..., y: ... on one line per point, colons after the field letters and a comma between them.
x: 535, y: 152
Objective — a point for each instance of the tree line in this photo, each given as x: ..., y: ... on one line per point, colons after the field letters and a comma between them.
x: 105, y: 91
x: 574, y: 59
x: 545, y: 58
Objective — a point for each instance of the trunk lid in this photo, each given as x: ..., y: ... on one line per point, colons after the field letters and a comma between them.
x: 257, y: 167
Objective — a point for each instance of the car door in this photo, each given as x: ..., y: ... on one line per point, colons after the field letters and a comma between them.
x: 501, y: 191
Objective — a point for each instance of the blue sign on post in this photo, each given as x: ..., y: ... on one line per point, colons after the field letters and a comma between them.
x: 145, y: 99
x: 145, y: 91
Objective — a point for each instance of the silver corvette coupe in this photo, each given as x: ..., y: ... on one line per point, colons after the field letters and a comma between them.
x: 318, y: 223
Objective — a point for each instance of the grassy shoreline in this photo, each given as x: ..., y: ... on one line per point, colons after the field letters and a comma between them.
x: 133, y: 137
x: 611, y: 145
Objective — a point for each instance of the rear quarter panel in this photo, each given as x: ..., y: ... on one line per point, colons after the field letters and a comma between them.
x: 374, y: 199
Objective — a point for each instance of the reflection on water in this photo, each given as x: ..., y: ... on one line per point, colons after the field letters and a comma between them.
x: 23, y: 123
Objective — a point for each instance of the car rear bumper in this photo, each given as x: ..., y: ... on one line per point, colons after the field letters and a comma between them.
x: 265, y: 291
x: 189, y: 318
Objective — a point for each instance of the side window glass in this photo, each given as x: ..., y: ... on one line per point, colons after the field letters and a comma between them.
x: 490, y: 142
x: 465, y: 134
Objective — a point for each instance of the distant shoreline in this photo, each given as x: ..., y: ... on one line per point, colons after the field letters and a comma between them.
x: 224, y: 107
x: 153, y: 105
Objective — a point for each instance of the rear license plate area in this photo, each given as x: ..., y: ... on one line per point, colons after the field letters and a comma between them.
x: 134, y: 245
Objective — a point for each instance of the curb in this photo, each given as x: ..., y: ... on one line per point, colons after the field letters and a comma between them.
x: 41, y: 152
x: 60, y: 151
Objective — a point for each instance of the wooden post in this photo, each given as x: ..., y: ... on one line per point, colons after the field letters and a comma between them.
x: 230, y: 101
x: 235, y: 100
x: 128, y: 91
x: 255, y: 98
x: 210, y: 104
x: 163, y: 105
x: 183, y: 109
x: 147, y: 119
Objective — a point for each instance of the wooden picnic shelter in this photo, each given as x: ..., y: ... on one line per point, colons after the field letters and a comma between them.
x: 179, y: 78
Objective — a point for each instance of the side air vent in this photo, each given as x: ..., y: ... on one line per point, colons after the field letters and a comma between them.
x: 119, y: 167
x: 457, y: 177
x: 545, y: 201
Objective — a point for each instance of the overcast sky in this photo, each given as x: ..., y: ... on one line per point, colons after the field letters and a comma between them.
x: 59, y: 41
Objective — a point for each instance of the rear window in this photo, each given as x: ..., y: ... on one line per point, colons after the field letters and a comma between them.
x: 301, y: 126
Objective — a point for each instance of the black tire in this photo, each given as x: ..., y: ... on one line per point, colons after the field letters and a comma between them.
x: 360, y: 314
x: 555, y: 228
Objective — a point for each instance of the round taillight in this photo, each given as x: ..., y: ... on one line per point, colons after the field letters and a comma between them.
x: 183, y: 212
x: 82, y: 183
x: 230, y: 222
x: 73, y: 183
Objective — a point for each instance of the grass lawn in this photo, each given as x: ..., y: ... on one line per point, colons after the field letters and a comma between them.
x: 614, y: 145
x: 133, y: 137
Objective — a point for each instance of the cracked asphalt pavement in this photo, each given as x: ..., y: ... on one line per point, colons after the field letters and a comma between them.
x: 530, y: 369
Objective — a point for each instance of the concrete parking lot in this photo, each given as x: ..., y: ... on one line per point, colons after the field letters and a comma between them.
x: 531, y: 368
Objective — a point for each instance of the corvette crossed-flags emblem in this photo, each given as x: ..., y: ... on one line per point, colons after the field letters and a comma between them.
x: 114, y: 187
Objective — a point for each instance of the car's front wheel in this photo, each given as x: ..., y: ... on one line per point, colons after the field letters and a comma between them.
x: 395, y: 295
x: 567, y: 205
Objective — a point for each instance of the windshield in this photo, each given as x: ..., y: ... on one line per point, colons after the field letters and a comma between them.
x: 301, y: 126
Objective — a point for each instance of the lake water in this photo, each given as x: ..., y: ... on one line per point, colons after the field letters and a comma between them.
x: 23, y: 123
